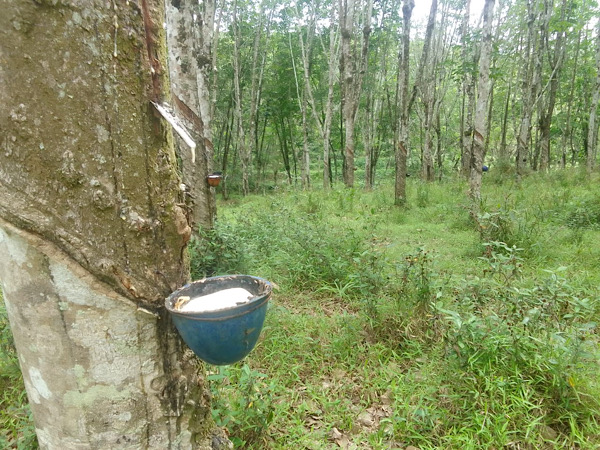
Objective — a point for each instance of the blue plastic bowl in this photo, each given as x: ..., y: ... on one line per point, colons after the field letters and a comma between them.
x: 227, y: 335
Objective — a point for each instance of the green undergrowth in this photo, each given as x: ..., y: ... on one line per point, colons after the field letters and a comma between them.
x: 394, y: 327
x: 418, y: 326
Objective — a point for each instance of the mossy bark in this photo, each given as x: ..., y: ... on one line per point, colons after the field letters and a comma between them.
x: 93, y: 230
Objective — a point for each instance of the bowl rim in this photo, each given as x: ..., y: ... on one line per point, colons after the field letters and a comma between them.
x: 245, y: 308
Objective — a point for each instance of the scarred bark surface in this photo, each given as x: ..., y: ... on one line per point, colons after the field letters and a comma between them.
x: 93, y: 228
x: 85, y: 163
x: 99, y: 371
x: 190, y: 67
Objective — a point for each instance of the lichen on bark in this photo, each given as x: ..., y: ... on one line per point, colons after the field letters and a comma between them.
x: 72, y: 109
x: 89, y: 191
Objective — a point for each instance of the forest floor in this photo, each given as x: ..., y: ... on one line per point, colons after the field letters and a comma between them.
x: 417, y: 327
x: 403, y: 328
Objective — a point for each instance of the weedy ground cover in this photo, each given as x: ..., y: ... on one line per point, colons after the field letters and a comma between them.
x: 416, y: 326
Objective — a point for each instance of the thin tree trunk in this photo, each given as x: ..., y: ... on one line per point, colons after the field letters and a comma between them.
x: 468, y: 90
x: 243, y: 148
x: 352, y: 70
x: 529, y: 90
x: 402, y: 106
x: 548, y: 109
x: 592, y: 135
x: 256, y: 77
x: 568, y: 132
x: 427, y: 84
x: 306, y: 97
x: 483, y: 91
x: 333, y: 49
x: 503, y: 151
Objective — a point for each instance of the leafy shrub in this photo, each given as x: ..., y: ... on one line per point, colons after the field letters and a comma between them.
x: 406, y: 312
x: 217, y: 251
x: 514, y: 228
x: 242, y: 401
x: 538, y: 342
x: 584, y: 214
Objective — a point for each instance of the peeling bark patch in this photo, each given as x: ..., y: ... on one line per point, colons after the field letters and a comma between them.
x: 16, y: 251
x: 38, y: 383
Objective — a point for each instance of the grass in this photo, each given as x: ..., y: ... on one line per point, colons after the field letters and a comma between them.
x: 396, y: 327
x: 415, y: 326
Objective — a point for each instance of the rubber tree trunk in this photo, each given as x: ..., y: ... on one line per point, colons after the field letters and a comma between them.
x: 190, y: 28
x: 402, y: 106
x: 555, y: 65
x: 483, y: 91
x: 529, y: 90
x: 592, y: 136
x: 353, y: 66
x: 92, y: 231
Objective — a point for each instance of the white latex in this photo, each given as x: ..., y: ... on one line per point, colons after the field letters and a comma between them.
x: 226, y: 298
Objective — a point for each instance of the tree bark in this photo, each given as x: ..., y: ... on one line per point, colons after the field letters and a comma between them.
x: 483, y: 91
x: 503, y: 151
x: 428, y: 96
x: 243, y: 149
x: 352, y: 70
x: 92, y: 230
x: 568, y: 132
x: 592, y: 136
x: 258, y: 63
x: 402, y: 106
x: 307, y: 96
x: 468, y: 96
x: 333, y: 49
x: 190, y: 67
x: 529, y: 90
x: 548, y: 108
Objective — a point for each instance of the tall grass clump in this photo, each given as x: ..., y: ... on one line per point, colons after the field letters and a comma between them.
x: 584, y: 213
x: 304, y: 251
x: 516, y: 227
x: 217, y: 251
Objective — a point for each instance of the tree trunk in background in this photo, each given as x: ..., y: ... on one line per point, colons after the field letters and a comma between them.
x: 333, y: 49
x: 568, y: 132
x: 243, y: 148
x: 528, y: 90
x: 468, y: 96
x: 92, y: 236
x: 215, y: 73
x: 325, y: 127
x: 256, y: 77
x: 352, y: 70
x: 548, y: 109
x: 402, y: 106
x: 503, y: 151
x: 307, y: 96
x: 190, y: 67
x: 427, y: 82
x: 483, y: 91
x: 372, y: 114
x: 592, y: 136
